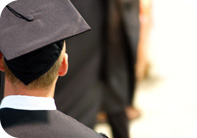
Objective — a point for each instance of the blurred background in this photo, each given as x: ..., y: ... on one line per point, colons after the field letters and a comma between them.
x: 166, y: 93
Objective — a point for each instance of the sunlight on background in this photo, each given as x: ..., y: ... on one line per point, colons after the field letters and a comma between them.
x: 167, y: 99
x: 173, y: 40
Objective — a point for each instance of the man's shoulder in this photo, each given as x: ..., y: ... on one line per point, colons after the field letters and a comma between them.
x: 80, y: 129
x: 21, y: 123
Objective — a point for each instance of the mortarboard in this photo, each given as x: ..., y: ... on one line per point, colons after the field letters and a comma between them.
x: 42, y: 22
x: 29, y: 25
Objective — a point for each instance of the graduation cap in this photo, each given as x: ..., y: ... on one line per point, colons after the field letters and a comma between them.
x: 38, y: 27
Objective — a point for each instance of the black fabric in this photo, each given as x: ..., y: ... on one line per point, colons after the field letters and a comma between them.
x: 28, y: 25
x: 119, y: 124
x: 77, y: 94
x: 118, y: 60
x: 31, y: 66
x: 119, y: 63
x: 43, y: 124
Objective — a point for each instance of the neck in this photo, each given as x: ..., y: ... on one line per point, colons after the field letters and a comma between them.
x: 23, y: 90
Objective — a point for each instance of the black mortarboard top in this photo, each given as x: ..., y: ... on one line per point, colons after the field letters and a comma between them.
x: 30, y: 26
x: 27, y: 25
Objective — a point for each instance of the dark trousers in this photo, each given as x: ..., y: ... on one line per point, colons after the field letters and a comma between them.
x: 119, y: 124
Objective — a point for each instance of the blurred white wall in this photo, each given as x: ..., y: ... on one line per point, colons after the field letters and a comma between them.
x: 173, y: 43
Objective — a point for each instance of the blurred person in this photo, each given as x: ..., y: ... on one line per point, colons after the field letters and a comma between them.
x: 32, y: 66
x: 115, y: 30
x: 119, y: 63
x: 142, y: 65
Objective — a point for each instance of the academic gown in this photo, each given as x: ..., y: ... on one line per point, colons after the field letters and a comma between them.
x: 43, y: 124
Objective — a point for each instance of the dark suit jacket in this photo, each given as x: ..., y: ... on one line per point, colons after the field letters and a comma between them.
x: 43, y: 124
x: 76, y: 93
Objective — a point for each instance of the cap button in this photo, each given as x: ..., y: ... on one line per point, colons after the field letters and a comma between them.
x: 29, y: 18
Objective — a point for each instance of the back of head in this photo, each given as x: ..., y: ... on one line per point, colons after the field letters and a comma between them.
x: 37, y: 69
x: 32, y: 27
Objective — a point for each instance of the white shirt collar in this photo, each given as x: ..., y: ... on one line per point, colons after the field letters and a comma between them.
x: 28, y: 103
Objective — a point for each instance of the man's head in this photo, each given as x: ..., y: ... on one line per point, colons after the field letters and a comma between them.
x: 31, y: 26
x: 20, y: 71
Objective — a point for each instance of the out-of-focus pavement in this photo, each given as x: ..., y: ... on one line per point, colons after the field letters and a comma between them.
x: 168, y: 98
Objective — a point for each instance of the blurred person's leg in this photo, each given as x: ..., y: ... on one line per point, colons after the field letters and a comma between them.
x: 120, y: 63
x: 119, y: 124
x: 116, y: 80
x: 130, y: 13
x: 115, y: 111
x: 139, y: 70
x: 131, y: 39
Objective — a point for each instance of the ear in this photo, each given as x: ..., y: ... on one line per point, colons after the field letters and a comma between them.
x: 64, y: 66
x: 1, y: 62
